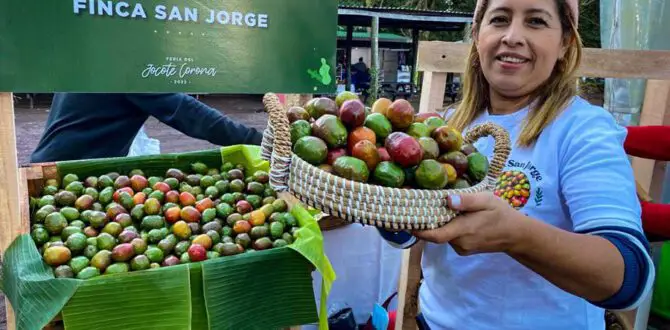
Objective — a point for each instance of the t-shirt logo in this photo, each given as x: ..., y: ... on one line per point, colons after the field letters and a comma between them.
x: 514, y: 188
x: 515, y: 185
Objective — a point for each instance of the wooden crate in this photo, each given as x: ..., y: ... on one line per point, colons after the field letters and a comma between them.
x: 437, y: 58
x: 33, y: 178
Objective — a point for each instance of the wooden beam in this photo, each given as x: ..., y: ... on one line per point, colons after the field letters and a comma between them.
x: 439, y: 56
x: 10, y: 214
x: 296, y: 99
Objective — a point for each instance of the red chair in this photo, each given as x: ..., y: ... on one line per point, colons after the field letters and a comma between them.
x: 651, y: 142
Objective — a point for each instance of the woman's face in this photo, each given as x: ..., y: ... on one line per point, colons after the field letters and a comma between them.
x: 519, y: 42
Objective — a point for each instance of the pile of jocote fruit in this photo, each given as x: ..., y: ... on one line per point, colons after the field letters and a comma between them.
x: 120, y: 223
x: 388, y: 145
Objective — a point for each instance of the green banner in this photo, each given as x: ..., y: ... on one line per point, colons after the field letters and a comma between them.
x: 232, y: 46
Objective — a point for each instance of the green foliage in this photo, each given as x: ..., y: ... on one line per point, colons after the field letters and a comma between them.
x: 589, y: 23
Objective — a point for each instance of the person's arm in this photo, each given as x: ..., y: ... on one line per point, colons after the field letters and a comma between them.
x: 195, y: 119
x: 589, y: 266
x: 606, y: 260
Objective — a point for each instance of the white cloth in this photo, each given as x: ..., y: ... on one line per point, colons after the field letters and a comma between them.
x: 367, y: 268
x: 144, y: 145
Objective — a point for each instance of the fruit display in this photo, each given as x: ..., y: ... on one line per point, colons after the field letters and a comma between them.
x: 117, y: 223
x: 387, y: 144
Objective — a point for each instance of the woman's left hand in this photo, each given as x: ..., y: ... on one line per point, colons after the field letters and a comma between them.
x: 486, y: 224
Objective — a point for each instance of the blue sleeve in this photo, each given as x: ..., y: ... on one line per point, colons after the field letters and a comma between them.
x: 195, y: 119
x: 636, y: 273
x: 400, y: 239
x: 599, y: 192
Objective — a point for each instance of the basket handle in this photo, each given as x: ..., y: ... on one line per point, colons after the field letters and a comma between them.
x: 277, y: 142
x: 501, y: 148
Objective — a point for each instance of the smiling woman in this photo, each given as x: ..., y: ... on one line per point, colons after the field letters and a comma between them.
x: 570, y: 248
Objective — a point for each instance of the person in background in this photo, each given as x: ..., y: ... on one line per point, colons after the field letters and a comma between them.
x: 360, y: 66
x: 87, y: 126
x: 575, y: 247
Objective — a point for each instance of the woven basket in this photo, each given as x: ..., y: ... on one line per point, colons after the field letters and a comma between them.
x: 389, y: 208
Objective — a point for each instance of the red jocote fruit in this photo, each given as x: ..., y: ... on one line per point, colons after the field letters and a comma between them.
x: 383, y: 154
x: 352, y: 113
x: 404, y: 149
x: 400, y: 114
x: 335, y: 154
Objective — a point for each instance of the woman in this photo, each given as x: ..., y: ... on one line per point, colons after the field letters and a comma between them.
x: 575, y: 246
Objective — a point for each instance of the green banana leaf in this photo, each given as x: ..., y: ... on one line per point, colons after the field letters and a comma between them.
x: 152, y: 299
x: 262, y: 289
x: 29, y: 284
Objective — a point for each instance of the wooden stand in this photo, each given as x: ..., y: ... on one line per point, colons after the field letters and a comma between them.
x: 436, y: 59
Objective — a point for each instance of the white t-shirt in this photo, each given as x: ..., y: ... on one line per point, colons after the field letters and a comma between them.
x: 576, y: 177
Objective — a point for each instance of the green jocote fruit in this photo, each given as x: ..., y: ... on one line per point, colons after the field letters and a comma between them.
x: 300, y: 128
x: 311, y: 149
x: 478, y: 166
x: 331, y: 130
x: 88, y: 272
x: 199, y: 167
x: 46, y: 200
x: 63, y: 271
x: 69, y: 178
x: 379, y: 124
x: 351, y: 168
x: 42, y: 213
x: 79, y: 263
x: 389, y: 174
x: 55, y: 223
x: 65, y: 198
x: 418, y: 130
x: 431, y: 175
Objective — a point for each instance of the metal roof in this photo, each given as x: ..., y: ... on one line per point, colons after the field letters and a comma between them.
x: 344, y: 4
x: 399, y: 17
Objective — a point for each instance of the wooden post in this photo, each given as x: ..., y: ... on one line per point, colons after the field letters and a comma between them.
x: 408, y: 288
x: 374, y: 38
x: 10, y: 215
x: 415, y: 49
x: 432, y: 91
x: 347, y: 65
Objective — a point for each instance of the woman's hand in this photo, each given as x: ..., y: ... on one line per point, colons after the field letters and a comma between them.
x: 486, y: 224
